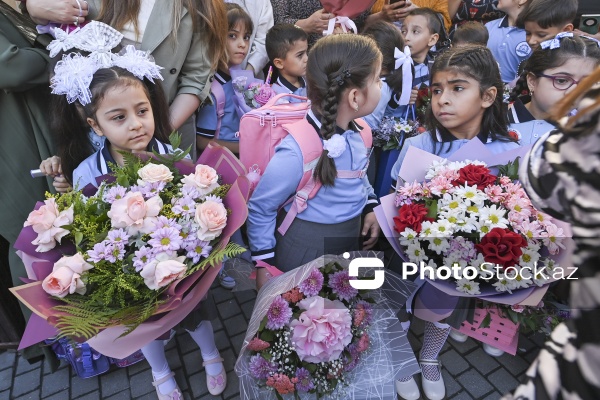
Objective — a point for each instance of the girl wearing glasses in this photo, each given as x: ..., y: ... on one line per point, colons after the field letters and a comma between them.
x: 553, y: 71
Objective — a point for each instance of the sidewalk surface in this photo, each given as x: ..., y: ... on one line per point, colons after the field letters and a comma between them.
x: 468, y: 371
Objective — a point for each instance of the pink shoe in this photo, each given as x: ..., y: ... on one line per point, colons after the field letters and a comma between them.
x: 216, y: 383
x: 174, y: 395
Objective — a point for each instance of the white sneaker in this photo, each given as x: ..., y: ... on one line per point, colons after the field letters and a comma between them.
x: 492, y: 351
x: 458, y: 336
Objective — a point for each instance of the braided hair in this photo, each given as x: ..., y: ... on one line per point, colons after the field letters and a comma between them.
x: 337, y: 63
x: 476, y: 62
x: 543, y: 59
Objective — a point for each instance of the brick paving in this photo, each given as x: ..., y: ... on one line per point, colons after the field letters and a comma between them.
x: 468, y: 371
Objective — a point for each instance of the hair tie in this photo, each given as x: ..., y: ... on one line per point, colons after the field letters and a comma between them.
x: 404, y: 60
x: 555, y: 42
x: 341, y: 78
x: 335, y: 146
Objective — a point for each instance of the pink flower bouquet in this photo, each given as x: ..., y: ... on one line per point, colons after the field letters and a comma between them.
x: 474, y: 224
x: 312, y: 333
x: 139, y: 246
x: 251, y: 93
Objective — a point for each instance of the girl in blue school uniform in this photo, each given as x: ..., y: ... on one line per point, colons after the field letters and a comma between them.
x: 391, y: 44
x: 133, y: 116
x: 343, y: 84
x: 466, y: 102
x: 553, y: 71
x: 209, y: 126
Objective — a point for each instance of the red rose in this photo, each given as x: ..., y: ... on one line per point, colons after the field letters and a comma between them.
x: 475, y: 175
x: 411, y: 216
x: 502, y: 246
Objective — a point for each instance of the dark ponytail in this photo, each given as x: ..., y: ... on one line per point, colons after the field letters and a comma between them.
x: 336, y: 63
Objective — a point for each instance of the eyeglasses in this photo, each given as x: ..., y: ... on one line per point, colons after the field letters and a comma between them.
x: 561, y: 82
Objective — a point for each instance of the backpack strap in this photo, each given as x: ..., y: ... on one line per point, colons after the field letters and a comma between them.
x: 217, y: 90
x: 311, y: 149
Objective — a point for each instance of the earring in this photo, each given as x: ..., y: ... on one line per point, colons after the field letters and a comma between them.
x: 356, y: 109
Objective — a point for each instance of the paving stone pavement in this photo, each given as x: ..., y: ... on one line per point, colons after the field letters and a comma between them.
x: 468, y: 371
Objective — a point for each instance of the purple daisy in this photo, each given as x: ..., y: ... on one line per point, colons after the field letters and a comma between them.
x: 99, y: 252
x: 151, y: 189
x: 340, y: 285
x: 142, y: 257
x: 312, y: 285
x: 190, y: 191
x: 261, y: 368
x: 279, y: 313
x: 198, y: 250
x: 118, y: 237
x: 164, y: 222
x: 165, y: 239
x: 185, y: 206
x: 304, y: 383
x: 114, y: 193
x: 212, y: 197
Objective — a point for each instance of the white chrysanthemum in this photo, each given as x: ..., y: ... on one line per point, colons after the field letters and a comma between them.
x: 416, y: 254
x: 451, y: 203
x: 541, y: 278
x: 442, y: 228
x: 335, y: 146
x: 503, y: 285
x: 426, y: 229
x: 466, y: 223
x: 438, y: 244
x: 471, y: 194
x: 522, y: 281
x: 435, y: 167
x: 493, y: 216
x: 467, y: 286
x: 529, y: 258
x: 408, y: 237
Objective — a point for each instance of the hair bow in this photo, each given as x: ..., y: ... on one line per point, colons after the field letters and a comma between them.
x: 404, y: 60
x: 74, y: 73
x: 555, y: 43
x: 345, y: 23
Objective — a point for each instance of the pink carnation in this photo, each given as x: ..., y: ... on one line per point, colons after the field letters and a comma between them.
x: 257, y: 345
x: 322, y: 331
x: 264, y: 94
x: 495, y: 193
x: 282, y: 383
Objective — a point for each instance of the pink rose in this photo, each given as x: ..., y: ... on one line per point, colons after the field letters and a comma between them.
x: 152, y: 173
x: 264, y: 94
x: 204, y: 179
x: 65, y: 277
x: 211, y: 218
x: 163, y: 270
x: 47, y: 222
x: 322, y: 331
x: 135, y: 213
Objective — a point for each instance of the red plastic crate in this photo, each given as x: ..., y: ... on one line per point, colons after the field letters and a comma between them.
x: 501, y: 333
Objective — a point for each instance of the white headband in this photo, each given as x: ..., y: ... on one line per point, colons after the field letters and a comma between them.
x: 74, y: 73
x: 404, y: 60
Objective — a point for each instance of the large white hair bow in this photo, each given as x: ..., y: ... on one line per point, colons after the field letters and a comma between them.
x: 74, y: 73
x: 555, y: 42
x: 404, y: 60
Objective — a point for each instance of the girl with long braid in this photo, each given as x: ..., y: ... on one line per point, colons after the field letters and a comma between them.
x: 466, y: 102
x: 343, y: 84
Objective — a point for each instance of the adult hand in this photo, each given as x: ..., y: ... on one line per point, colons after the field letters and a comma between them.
x: 59, y: 11
x: 371, y: 230
x: 396, y: 11
x: 578, y: 32
x: 316, y: 23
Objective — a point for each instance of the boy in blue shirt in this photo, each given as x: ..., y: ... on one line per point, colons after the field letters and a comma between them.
x: 544, y: 19
x: 507, y: 41
x: 287, y: 48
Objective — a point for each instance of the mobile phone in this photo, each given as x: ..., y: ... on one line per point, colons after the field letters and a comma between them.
x: 589, y: 23
x: 398, y: 1
x: 36, y: 173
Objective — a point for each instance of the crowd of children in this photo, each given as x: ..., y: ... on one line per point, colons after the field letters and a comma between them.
x: 352, y: 82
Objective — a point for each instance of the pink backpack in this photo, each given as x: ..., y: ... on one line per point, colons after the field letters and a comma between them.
x: 263, y: 129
